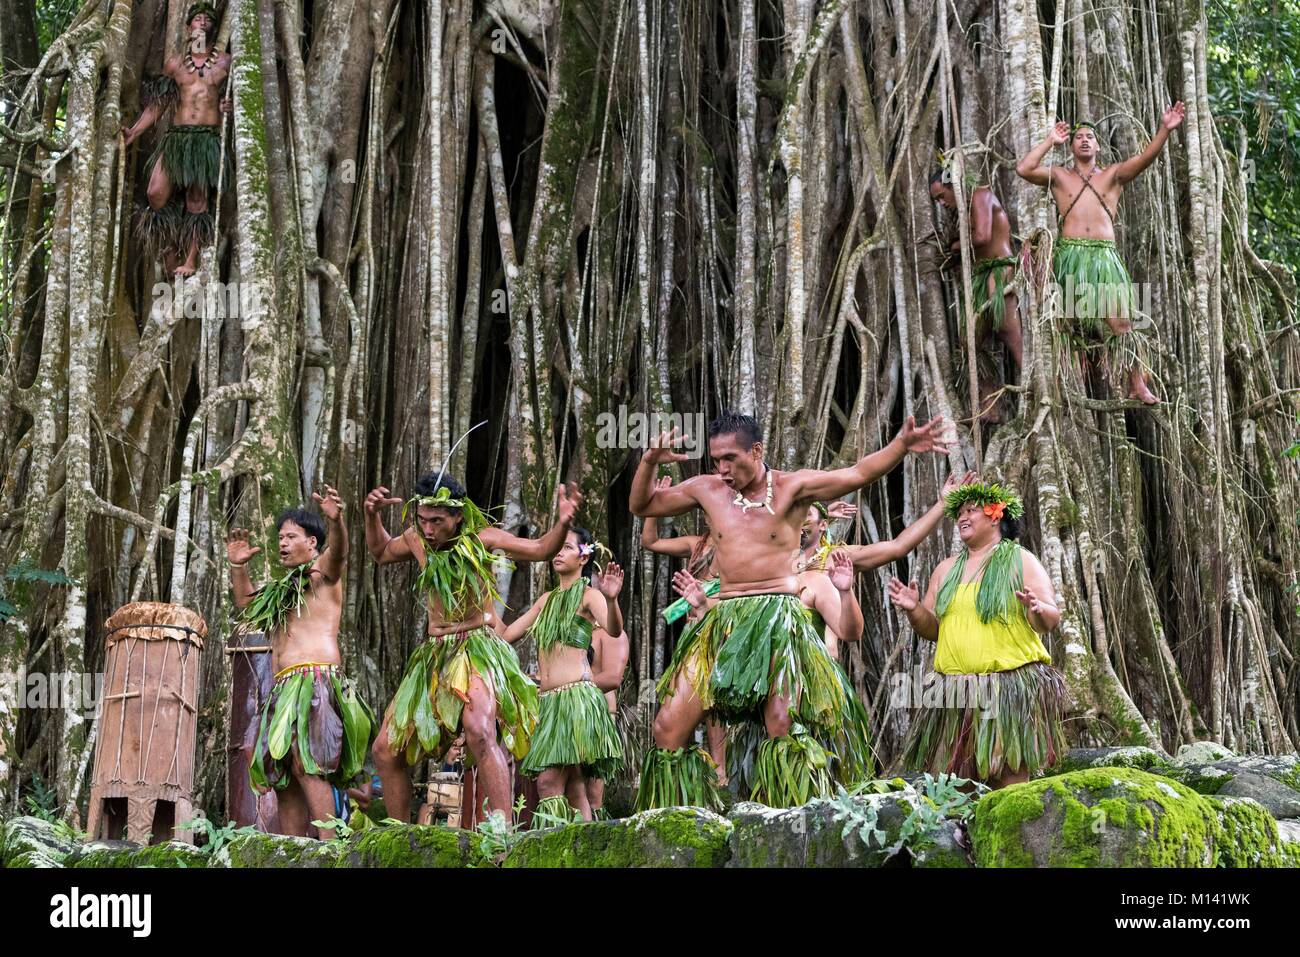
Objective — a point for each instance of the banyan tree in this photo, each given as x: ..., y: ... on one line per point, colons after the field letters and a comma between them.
x: 536, y: 212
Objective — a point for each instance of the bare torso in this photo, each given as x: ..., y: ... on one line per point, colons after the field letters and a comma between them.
x: 564, y: 664
x: 1087, y: 218
x: 311, y: 635
x: 439, y: 622
x: 754, y: 549
x: 199, y: 101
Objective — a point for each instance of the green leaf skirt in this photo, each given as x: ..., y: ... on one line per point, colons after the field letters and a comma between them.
x: 745, y: 650
x: 425, y: 714
x: 991, y: 309
x: 574, y: 727
x: 1094, y: 283
x: 685, y: 777
x: 191, y: 156
x: 315, y: 713
x: 983, y: 725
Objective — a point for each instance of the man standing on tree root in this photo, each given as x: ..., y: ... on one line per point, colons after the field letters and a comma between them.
x: 755, y: 655
x: 1088, y: 269
x: 315, y: 730
x: 465, y: 676
x: 993, y: 300
x: 188, y: 158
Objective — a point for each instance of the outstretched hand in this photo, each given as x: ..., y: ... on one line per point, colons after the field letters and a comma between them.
x: 609, y: 580
x: 331, y: 505
x: 840, y: 570
x: 838, y: 509
x: 570, y: 499
x: 1060, y: 134
x: 1033, y: 604
x: 1174, y: 116
x: 925, y: 438
x: 662, y: 448
x: 688, y: 586
x: 238, y: 548
x: 906, y: 597
x: 379, y: 498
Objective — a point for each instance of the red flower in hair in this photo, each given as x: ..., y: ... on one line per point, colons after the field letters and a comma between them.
x: 994, y: 510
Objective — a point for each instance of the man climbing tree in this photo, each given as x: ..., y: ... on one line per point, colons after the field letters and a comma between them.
x: 994, y: 302
x: 188, y: 157
x: 1086, y: 261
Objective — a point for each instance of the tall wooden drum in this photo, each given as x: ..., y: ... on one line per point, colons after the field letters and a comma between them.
x: 251, y: 679
x: 148, y: 719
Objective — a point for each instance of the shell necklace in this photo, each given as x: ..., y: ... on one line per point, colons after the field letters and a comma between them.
x: 745, y: 504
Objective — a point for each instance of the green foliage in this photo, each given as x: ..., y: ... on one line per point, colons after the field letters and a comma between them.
x: 939, y: 798
x: 498, y: 835
x: 215, y: 838
x: 25, y: 573
x: 1253, y: 46
x: 42, y: 802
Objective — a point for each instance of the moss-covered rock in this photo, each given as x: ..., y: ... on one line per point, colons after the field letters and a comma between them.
x: 411, y: 846
x: 1248, y: 835
x: 1211, y: 777
x: 1288, y: 833
x: 1280, y: 800
x: 1100, y: 817
x: 1077, y: 759
x: 666, y: 837
x: 125, y: 854
x: 820, y: 834
x: 33, y: 842
x: 277, y: 850
x: 948, y: 847
x: 1200, y: 752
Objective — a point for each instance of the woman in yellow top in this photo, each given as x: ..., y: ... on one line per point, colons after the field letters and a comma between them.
x: 991, y: 711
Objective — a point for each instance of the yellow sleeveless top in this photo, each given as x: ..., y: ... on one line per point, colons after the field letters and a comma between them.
x: 968, y: 646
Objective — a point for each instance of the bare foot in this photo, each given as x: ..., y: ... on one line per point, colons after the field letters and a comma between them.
x: 186, y: 268
x: 1138, y: 389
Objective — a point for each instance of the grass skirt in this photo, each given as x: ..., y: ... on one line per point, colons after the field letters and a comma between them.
x: 982, y: 725
x: 574, y: 727
x: 314, y: 711
x: 745, y: 650
x: 686, y: 777
x: 424, y: 718
x: 191, y: 156
x: 1095, y: 286
x: 991, y: 309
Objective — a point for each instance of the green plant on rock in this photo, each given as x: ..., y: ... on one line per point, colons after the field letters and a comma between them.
x: 498, y: 834
x: 42, y: 802
x: 215, y: 838
x: 939, y: 798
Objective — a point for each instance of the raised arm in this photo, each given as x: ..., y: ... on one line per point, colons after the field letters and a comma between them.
x: 867, y: 557
x: 238, y: 553
x: 920, y: 613
x: 612, y: 653
x: 604, y: 608
x: 541, y: 549
x: 849, y: 627
x: 647, y: 498
x: 680, y: 547
x: 334, y: 558
x: 1037, y: 596
x: 1128, y: 169
x: 519, y: 627
x: 384, y: 548
x: 816, y: 484
x: 1031, y: 166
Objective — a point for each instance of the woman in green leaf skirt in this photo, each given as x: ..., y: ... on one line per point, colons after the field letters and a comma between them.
x: 575, y: 738
x: 992, y: 709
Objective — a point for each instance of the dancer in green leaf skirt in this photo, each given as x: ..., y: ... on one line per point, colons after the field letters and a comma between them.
x: 465, y: 676
x: 992, y: 709
x: 575, y: 737
x: 314, y: 730
x: 755, y: 655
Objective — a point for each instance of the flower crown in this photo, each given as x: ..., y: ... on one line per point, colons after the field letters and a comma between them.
x: 996, y: 499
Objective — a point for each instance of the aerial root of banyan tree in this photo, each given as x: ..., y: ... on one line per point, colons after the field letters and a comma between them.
x: 473, y: 210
